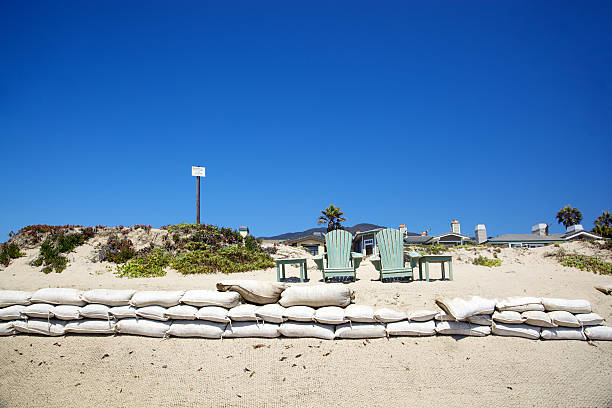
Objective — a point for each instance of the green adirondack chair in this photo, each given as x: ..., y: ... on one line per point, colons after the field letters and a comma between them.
x: 390, y: 260
x: 338, y: 260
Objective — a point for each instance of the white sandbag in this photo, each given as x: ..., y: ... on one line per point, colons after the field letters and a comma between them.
x: 422, y: 315
x: 251, y: 329
x: 182, y: 312
x: 58, y: 296
x: 462, y: 329
x: 330, y: 315
x: 91, y: 327
x: 243, y: 313
x: 153, y: 313
x: 66, y: 312
x: 461, y: 309
x: 302, y: 329
x: 563, y: 318
x: 605, y: 289
x: 271, y: 313
x: 508, y: 317
x: 516, y: 330
x: 109, y: 297
x: 6, y: 329
x: 165, y: 298
x: 40, y: 326
x: 14, y: 297
x: 589, y: 319
x: 360, y: 331
x: 519, y: 304
x: 299, y: 313
x: 443, y: 317
x: 142, y: 327
x: 563, y: 333
x: 360, y: 313
x: 198, y: 328
x: 524, y: 308
x: 538, y: 318
x: 599, y: 333
x: 412, y: 328
x: 201, y: 298
x: 389, y: 315
x: 123, y: 312
x: 14, y: 312
x: 39, y: 310
x: 254, y: 291
x: 96, y: 311
x: 213, y: 314
x: 481, y: 320
x: 568, y: 305
x: 334, y: 294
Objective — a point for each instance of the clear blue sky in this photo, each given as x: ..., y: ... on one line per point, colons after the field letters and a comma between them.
x: 398, y: 112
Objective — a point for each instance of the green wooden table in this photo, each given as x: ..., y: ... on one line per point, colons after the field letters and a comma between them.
x: 280, y: 263
x: 441, y: 259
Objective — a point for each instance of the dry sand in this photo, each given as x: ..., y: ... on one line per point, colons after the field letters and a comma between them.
x: 75, y: 371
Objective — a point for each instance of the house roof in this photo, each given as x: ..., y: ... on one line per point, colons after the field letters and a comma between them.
x: 452, y: 233
x: 418, y: 239
x: 320, y: 238
x: 372, y: 231
x: 527, y: 238
x: 575, y: 234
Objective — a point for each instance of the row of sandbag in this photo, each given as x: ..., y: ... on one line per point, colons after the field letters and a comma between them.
x: 242, y: 329
x: 228, y: 294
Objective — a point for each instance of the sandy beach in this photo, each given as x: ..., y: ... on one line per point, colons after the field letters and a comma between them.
x: 134, y: 371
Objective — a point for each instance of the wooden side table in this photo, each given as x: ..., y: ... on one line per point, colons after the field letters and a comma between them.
x: 280, y: 263
x: 441, y: 259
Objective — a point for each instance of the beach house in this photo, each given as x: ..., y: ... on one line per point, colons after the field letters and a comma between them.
x: 539, y: 237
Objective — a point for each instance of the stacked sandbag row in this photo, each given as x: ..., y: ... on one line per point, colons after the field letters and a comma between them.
x: 322, y: 311
x: 530, y: 317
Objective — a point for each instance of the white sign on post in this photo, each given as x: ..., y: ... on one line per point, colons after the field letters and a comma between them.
x: 198, y: 171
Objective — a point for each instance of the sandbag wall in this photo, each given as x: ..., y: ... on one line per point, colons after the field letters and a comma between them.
x: 265, y: 309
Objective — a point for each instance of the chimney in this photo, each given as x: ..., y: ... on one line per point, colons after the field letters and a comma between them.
x: 540, y: 229
x: 455, y: 227
x: 480, y: 233
x: 402, y: 229
x: 574, y: 228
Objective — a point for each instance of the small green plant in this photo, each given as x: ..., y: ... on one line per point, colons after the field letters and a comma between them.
x: 228, y: 259
x: 484, y: 261
x: 54, y: 246
x: 435, y: 249
x: 9, y: 251
x: 117, y: 250
x: 587, y: 263
x: 148, y: 264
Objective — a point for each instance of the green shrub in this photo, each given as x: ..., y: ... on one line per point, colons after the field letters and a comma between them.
x: 587, y: 263
x: 148, y: 264
x: 9, y: 251
x: 56, y: 244
x: 117, y: 250
x: 484, y: 261
x: 228, y: 259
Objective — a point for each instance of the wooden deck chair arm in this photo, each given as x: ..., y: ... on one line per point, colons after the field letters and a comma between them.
x: 319, y: 259
x: 357, y: 258
x: 376, y: 262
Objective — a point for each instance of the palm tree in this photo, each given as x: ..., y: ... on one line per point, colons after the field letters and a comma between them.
x: 569, y: 216
x: 603, y: 225
x: 332, y: 216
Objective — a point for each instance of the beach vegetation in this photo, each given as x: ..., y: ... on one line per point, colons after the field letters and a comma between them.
x: 149, y: 263
x: 569, y: 215
x: 8, y: 251
x: 56, y: 244
x: 230, y: 259
x: 333, y: 217
x: 117, y: 250
x: 587, y: 263
x: 484, y: 261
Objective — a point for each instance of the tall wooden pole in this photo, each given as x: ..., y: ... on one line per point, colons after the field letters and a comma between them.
x: 198, y: 201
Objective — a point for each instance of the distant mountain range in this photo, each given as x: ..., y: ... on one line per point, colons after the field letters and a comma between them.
x: 353, y: 230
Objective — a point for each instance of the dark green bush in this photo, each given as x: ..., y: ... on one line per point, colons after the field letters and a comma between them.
x: 9, y: 251
x: 117, y: 250
x: 54, y: 246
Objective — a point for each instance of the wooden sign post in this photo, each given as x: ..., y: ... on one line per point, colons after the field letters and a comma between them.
x: 198, y: 172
